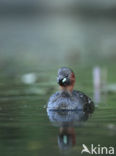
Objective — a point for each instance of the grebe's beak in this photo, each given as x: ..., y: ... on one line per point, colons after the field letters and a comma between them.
x: 64, y: 81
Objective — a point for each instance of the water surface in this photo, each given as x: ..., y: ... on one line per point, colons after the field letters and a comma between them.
x: 25, y: 128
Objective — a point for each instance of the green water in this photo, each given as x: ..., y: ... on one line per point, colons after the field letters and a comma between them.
x: 24, y: 125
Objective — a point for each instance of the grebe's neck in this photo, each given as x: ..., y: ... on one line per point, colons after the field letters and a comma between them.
x: 68, y: 89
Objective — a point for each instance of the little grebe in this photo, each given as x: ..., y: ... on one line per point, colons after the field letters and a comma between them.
x: 67, y: 98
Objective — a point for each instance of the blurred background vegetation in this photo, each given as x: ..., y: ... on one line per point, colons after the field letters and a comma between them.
x: 42, y: 34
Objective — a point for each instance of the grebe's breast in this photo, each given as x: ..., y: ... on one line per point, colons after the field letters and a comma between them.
x: 67, y: 118
x: 64, y: 100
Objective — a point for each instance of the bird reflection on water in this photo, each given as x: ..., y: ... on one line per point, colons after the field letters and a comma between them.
x: 67, y: 121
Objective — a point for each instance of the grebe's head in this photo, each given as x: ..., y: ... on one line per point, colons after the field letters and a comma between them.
x: 66, y: 78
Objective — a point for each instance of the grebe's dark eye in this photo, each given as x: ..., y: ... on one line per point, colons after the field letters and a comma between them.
x: 66, y: 75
